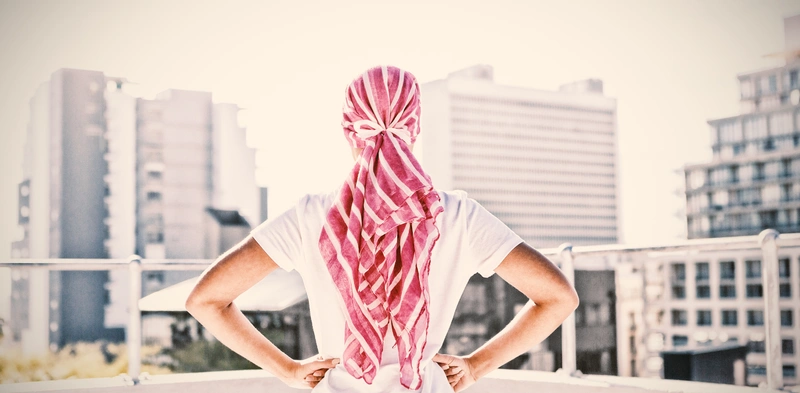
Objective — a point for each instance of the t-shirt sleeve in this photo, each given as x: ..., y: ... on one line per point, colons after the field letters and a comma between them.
x: 489, y: 240
x: 281, y: 240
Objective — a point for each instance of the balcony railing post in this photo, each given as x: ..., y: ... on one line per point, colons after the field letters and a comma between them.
x: 568, y: 346
x: 772, y: 317
x: 134, y: 335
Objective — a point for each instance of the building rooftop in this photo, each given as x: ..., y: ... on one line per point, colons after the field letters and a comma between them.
x: 228, y: 217
x: 506, y: 381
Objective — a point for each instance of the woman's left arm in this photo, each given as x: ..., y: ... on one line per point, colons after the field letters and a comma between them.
x: 211, y: 303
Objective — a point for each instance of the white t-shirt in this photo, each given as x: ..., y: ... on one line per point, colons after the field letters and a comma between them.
x: 471, y: 240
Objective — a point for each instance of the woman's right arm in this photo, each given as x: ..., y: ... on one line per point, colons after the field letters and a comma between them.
x: 552, y: 300
x: 211, y: 303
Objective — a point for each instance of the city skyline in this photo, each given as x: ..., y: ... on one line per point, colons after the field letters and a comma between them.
x: 571, y: 122
x: 671, y: 66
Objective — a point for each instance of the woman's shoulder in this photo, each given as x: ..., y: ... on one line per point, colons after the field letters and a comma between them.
x: 456, y: 200
x: 314, y: 202
x: 452, y: 196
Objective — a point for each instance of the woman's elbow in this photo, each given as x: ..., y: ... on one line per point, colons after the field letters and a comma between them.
x: 196, y: 304
x: 192, y: 304
x: 571, y: 299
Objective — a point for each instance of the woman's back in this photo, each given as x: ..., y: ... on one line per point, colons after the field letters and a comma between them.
x: 471, y: 240
x: 384, y: 261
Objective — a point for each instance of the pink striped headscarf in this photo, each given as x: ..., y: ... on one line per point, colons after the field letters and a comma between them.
x: 378, y: 235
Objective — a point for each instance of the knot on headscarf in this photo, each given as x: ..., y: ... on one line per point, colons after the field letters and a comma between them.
x: 382, y: 99
x: 366, y: 129
x: 378, y: 235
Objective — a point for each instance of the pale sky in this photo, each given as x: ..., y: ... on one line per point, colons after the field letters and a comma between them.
x: 671, y: 65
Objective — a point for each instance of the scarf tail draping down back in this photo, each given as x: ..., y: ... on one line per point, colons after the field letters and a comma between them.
x: 379, y: 233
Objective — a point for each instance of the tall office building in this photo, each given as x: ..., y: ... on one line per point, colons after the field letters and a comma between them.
x: 107, y: 175
x: 62, y: 213
x: 753, y: 180
x: 543, y: 162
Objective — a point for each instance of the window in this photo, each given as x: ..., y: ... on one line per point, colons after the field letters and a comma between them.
x: 754, y: 291
x: 579, y: 316
x: 591, y: 314
x: 773, y: 83
x: 727, y: 270
x: 678, y: 277
x: 752, y: 269
x: 768, y: 218
x: 703, y: 292
x: 632, y: 344
x: 729, y: 318
x: 756, y: 369
x: 679, y: 341
x: 789, y: 371
x: 785, y: 290
x: 703, y: 317
x: 727, y: 291
x: 787, y: 346
x: 757, y: 346
x: 786, y: 318
x: 786, y: 165
x: 678, y: 317
x: 154, y: 236
x: 604, y: 313
x: 784, y: 268
x: 678, y: 271
x: 701, y: 271
x: 786, y: 192
x: 678, y: 292
x: 153, y: 196
x: 758, y: 173
x: 755, y: 318
x: 154, y: 277
x: 727, y: 273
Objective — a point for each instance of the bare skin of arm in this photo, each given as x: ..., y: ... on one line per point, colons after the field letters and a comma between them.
x: 211, y: 303
x: 552, y: 299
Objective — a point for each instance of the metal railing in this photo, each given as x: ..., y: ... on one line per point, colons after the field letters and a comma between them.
x: 135, y: 265
x: 768, y: 241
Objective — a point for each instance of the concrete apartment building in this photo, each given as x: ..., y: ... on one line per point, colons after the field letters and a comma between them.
x: 753, y: 180
x: 704, y: 299
x: 107, y: 175
x: 545, y: 163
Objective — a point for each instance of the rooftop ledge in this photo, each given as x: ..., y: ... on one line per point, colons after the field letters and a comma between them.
x: 246, y: 381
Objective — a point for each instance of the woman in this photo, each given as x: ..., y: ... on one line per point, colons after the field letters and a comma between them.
x: 384, y: 260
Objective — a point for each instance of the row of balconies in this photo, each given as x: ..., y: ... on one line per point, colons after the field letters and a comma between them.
x: 781, y: 82
x: 741, y: 231
x: 734, y: 180
x: 754, y: 202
